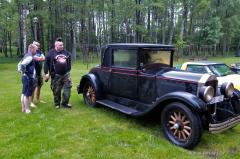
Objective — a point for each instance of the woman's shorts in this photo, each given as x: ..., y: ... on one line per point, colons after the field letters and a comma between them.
x: 28, y: 86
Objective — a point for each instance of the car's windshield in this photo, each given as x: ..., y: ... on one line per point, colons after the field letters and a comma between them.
x: 221, y: 70
x: 157, y: 57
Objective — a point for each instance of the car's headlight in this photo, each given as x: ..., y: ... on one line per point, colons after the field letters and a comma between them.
x: 227, y: 89
x: 206, y: 93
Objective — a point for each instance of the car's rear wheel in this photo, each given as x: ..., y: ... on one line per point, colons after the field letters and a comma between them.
x: 89, y: 94
x: 181, y: 125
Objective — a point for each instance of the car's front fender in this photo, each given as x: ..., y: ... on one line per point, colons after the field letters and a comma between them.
x: 191, y: 100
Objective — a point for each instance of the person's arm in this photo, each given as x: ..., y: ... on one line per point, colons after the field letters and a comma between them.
x: 70, y: 60
x: 39, y: 57
x: 47, y: 64
x: 42, y: 57
x: 26, y: 61
x: 23, y: 64
x: 47, y: 67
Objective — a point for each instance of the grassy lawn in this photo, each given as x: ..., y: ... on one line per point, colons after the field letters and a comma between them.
x: 84, y: 132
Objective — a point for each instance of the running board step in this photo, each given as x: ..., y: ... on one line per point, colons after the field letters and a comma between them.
x: 119, y: 107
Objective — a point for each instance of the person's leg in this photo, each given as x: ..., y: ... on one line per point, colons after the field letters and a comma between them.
x: 32, y: 86
x: 24, y: 92
x: 30, y: 91
x: 26, y: 104
x: 32, y: 97
x: 66, y: 91
x: 38, y: 88
x: 35, y: 95
x: 38, y: 93
x: 57, y: 85
x: 31, y: 101
x: 22, y: 102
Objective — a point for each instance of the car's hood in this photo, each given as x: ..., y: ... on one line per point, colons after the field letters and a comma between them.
x: 234, y: 78
x: 181, y: 75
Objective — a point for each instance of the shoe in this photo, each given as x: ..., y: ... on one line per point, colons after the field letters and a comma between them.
x: 33, y: 105
x: 27, y: 111
x: 66, y: 105
x: 57, y: 106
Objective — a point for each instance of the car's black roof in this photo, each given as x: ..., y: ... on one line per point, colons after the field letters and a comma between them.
x: 138, y: 45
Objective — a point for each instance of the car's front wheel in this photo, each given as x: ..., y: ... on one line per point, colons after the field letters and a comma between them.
x: 89, y: 94
x: 181, y: 125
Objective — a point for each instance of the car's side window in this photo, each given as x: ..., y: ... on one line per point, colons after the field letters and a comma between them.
x: 196, y: 68
x: 125, y: 58
x: 155, y: 57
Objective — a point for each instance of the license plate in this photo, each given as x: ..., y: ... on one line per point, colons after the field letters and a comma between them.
x: 216, y: 99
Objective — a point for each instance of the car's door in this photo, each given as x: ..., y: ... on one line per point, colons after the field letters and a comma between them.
x: 123, y: 77
x: 153, y: 62
x: 146, y: 79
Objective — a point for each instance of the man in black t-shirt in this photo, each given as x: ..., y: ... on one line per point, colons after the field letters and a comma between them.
x: 58, y: 66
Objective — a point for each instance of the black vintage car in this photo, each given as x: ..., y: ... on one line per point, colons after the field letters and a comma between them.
x: 138, y: 79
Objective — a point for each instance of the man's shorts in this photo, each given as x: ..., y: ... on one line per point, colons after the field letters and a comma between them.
x: 39, y: 80
x: 28, y: 86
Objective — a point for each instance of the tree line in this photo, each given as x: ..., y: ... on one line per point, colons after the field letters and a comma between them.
x: 86, y: 25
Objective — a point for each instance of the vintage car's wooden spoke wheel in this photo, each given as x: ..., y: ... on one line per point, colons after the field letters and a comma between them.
x: 181, y: 125
x: 89, y: 94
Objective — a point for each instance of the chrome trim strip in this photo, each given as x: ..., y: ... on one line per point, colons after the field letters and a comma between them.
x: 220, y: 127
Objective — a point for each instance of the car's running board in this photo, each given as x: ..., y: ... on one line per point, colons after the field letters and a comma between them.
x: 119, y: 107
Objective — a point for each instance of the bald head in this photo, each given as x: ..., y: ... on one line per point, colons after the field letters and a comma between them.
x: 58, y: 46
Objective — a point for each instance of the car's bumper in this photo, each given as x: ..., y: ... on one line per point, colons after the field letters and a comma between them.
x: 219, y: 127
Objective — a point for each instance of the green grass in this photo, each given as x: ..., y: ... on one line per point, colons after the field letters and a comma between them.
x: 84, y: 132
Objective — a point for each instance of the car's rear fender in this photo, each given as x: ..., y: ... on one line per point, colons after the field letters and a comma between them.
x: 192, y: 101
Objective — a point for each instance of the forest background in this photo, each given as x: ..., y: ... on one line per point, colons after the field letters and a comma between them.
x: 197, y: 28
